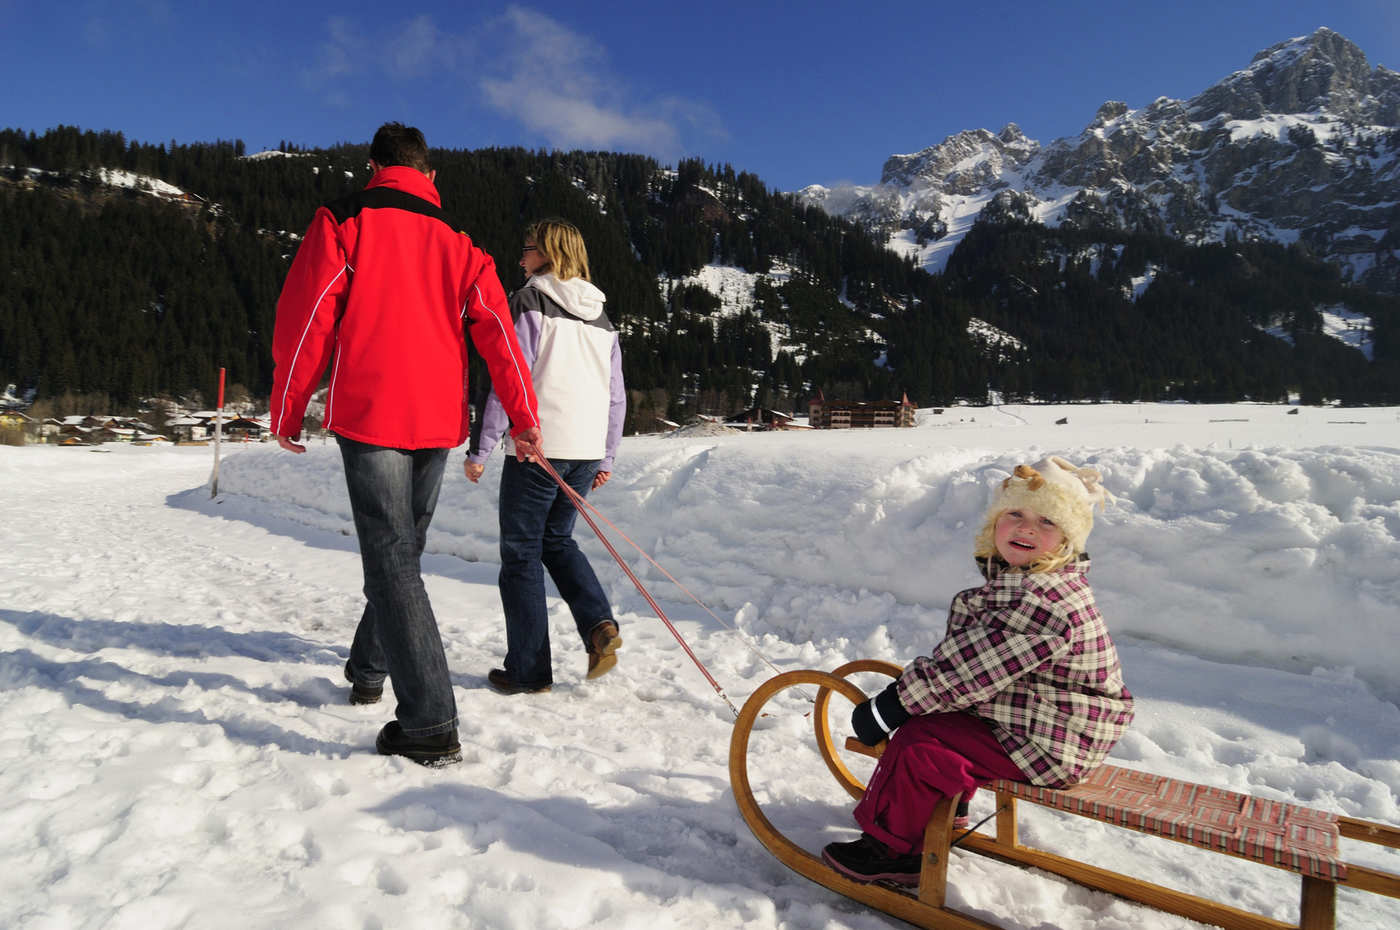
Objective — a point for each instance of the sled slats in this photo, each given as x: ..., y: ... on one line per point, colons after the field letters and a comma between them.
x: 1372, y: 880
x: 1285, y: 836
x: 1368, y: 832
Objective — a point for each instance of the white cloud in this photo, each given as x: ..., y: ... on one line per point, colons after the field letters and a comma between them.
x: 557, y: 83
x: 337, y: 55
x: 570, y: 120
x: 419, y: 49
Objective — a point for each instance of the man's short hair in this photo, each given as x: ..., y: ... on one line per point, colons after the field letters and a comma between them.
x: 397, y: 144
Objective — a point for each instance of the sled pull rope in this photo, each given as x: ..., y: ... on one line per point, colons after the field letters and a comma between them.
x: 582, y: 506
x: 582, y: 502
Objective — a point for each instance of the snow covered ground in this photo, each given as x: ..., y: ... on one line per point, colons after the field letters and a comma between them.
x: 176, y: 750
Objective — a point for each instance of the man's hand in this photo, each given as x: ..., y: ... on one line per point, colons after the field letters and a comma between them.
x: 290, y: 446
x: 600, y: 479
x: 473, y: 471
x: 527, y: 445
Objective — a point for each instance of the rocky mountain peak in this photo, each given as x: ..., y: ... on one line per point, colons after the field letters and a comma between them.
x: 962, y: 162
x: 1110, y: 111
x: 1301, y: 145
x: 1301, y: 75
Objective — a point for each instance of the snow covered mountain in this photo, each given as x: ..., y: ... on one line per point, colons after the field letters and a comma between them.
x: 1301, y: 146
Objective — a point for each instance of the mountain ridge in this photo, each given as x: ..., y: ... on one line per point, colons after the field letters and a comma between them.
x: 1302, y: 145
x: 728, y: 294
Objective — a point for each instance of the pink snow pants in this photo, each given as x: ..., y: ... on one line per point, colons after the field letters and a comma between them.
x: 930, y: 757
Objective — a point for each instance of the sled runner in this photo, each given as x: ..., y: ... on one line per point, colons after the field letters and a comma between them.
x: 1285, y: 836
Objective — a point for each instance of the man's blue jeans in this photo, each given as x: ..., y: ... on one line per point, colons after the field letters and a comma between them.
x: 537, y: 525
x: 392, y: 496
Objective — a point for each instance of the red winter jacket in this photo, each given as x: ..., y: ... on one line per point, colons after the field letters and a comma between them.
x: 386, y: 288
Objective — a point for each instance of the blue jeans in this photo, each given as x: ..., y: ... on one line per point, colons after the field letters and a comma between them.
x: 392, y: 496
x: 537, y: 525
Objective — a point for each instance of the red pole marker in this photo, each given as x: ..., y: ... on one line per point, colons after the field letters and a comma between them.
x: 218, y: 437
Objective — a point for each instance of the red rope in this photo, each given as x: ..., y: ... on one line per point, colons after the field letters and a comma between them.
x: 582, y: 503
x: 583, y: 507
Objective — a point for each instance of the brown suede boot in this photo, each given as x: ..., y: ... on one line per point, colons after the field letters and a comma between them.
x: 603, y: 641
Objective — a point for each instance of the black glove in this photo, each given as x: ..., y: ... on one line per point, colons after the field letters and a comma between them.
x: 867, y: 718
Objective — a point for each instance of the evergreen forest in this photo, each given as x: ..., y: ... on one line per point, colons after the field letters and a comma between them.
x: 111, y: 290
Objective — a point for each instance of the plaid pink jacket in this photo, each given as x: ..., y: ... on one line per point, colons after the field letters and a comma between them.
x: 1030, y: 654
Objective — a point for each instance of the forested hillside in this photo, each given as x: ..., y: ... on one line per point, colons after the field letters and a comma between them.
x: 118, y: 291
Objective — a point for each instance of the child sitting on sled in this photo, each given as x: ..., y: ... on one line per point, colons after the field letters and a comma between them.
x: 1025, y: 684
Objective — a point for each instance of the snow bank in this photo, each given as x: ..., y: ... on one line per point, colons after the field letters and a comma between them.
x: 1282, y: 557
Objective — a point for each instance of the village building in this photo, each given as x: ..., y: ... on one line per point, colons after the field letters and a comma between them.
x: 76, y: 434
x: 859, y: 414
x: 244, y: 429
x: 761, y: 418
x: 189, y: 429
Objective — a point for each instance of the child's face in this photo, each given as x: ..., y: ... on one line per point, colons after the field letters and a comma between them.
x: 1022, y: 536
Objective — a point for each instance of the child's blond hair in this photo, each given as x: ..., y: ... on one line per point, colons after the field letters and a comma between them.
x: 985, y: 548
x: 560, y: 244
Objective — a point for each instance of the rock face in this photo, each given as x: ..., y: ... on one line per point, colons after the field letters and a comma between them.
x: 1304, y: 144
x: 965, y: 163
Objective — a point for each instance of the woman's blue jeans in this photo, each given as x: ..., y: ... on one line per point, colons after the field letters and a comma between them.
x: 537, y: 525
x: 392, y: 496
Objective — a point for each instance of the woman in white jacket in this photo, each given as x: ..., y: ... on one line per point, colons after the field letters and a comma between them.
x: 576, y: 365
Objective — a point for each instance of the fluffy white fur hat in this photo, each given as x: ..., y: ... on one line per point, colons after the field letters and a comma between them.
x: 1058, y: 489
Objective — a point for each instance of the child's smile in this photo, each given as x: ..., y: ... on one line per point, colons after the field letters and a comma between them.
x: 1022, y: 535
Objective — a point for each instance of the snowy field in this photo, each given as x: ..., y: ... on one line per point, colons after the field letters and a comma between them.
x: 176, y: 750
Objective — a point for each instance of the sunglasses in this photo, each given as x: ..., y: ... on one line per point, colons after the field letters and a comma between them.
x: 527, y: 248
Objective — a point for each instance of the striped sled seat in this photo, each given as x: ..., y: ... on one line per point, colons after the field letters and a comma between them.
x: 1284, y: 836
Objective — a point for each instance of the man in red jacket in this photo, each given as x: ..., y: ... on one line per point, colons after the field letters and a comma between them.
x: 384, y: 291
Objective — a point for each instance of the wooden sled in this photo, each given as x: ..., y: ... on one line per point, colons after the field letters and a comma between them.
x: 1284, y: 836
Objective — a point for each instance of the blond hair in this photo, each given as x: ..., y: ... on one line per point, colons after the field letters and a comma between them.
x: 985, y: 547
x: 560, y: 244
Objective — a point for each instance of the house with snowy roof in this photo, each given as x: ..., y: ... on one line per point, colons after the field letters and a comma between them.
x: 760, y: 418
x: 190, y: 428
x: 859, y: 414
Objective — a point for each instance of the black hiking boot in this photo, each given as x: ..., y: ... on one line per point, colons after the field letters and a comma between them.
x: 438, y: 749
x: 362, y: 694
x: 500, y: 681
x: 869, y: 860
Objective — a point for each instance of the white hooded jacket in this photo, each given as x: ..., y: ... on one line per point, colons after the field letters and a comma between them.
x: 576, y: 366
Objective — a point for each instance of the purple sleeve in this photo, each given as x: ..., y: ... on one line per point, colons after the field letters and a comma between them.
x: 494, y: 422
x: 617, y: 407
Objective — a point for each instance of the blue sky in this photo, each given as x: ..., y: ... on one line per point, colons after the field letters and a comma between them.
x: 796, y: 93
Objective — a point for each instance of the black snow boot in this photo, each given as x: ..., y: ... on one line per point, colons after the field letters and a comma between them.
x: 362, y: 694
x: 435, y: 750
x: 869, y: 860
